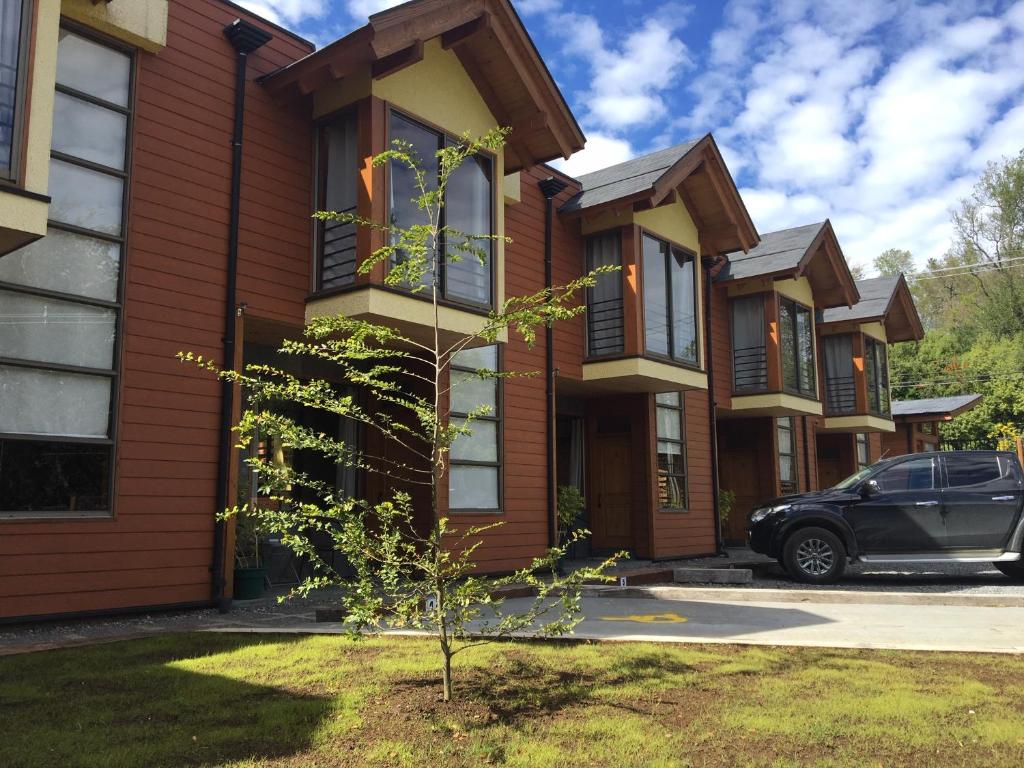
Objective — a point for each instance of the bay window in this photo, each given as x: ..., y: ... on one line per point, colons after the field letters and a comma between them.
x: 749, y: 353
x: 840, y: 384
x: 337, y: 152
x: 14, y: 45
x: 468, y: 208
x: 876, y: 370
x: 604, y: 300
x: 670, y: 301
x: 796, y: 330
x: 785, y: 435
x: 61, y: 299
x: 671, y: 433
x: 475, y: 459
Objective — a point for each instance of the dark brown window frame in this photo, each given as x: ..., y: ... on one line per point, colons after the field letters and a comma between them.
x: 879, y: 352
x: 787, y: 485
x: 695, y: 363
x: 615, y: 234
x: 12, y: 176
x: 755, y: 388
x: 797, y: 308
x: 114, y: 373
x: 680, y: 411
x: 320, y: 195
x: 497, y: 418
x: 861, y: 439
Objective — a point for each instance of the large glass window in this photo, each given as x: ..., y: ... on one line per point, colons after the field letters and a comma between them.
x: 787, y: 453
x: 796, y: 326
x: 670, y: 301
x: 474, y: 477
x: 338, y: 151
x: 14, y: 17
x: 467, y: 209
x: 749, y: 358
x: 876, y: 370
x: 840, y: 386
x: 604, y: 300
x: 671, y: 431
x: 60, y: 304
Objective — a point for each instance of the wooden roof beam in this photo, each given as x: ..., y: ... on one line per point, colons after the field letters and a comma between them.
x: 462, y: 33
x: 397, y: 61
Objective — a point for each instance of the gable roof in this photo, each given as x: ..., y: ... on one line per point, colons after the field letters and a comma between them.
x: 693, y: 172
x: 492, y: 45
x: 946, y: 407
x: 887, y: 300
x: 810, y: 250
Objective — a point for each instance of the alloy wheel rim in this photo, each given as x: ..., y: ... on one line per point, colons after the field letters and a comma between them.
x: 815, y: 557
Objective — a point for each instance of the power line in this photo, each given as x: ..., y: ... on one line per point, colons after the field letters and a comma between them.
x: 970, y: 270
x: 936, y: 382
x: 982, y: 264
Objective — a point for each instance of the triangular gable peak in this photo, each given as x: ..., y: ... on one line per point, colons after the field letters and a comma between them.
x: 810, y: 251
x: 693, y: 173
x: 492, y: 45
x: 886, y: 300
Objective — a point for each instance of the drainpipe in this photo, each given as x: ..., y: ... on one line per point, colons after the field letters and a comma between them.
x: 807, y: 457
x: 549, y: 187
x: 244, y: 38
x: 709, y: 263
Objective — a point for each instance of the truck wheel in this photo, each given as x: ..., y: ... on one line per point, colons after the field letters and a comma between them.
x: 1014, y: 570
x: 814, y: 556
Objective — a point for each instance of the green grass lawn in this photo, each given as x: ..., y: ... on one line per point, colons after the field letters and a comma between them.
x: 251, y: 700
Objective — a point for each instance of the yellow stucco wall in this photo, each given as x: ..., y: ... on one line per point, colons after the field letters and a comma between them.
x: 858, y: 423
x: 775, y: 404
x: 875, y: 331
x: 672, y: 222
x: 640, y: 373
x: 141, y: 23
x: 798, y: 289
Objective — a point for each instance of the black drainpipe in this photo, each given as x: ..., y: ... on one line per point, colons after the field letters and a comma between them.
x: 549, y: 187
x: 245, y: 38
x: 807, y: 456
x: 708, y: 263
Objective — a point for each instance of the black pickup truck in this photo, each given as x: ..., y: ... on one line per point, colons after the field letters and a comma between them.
x: 946, y: 506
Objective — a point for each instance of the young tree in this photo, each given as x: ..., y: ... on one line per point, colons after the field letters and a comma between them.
x: 400, y: 572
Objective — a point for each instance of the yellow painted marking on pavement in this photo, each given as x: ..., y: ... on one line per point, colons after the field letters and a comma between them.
x: 649, y: 618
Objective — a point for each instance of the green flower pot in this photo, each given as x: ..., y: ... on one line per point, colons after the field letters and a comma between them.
x: 249, y: 583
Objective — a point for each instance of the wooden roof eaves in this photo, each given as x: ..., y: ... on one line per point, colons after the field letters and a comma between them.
x: 826, y: 238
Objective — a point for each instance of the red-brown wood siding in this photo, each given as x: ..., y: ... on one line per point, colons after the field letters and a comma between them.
x: 158, y: 548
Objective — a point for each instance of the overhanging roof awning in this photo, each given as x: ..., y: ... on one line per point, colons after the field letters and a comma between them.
x: 936, y: 407
x: 494, y: 48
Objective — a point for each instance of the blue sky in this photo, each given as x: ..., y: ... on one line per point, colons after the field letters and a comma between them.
x: 879, y: 114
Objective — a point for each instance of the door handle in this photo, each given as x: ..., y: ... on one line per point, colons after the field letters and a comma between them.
x: 926, y: 504
x: 1003, y: 498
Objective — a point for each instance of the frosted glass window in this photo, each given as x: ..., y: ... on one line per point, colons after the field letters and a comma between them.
x: 668, y: 424
x: 93, y: 68
x: 477, y: 358
x: 481, y: 445
x: 29, y: 400
x: 473, y: 487
x: 88, y: 131
x: 52, y: 331
x: 85, y: 198
x: 67, y: 263
x: 469, y: 392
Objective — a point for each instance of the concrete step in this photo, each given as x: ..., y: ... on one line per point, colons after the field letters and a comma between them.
x: 713, y: 576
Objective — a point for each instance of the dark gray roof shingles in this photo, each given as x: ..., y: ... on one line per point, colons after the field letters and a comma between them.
x: 932, y: 405
x: 777, y: 252
x: 875, y: 295
x: 625, y: 179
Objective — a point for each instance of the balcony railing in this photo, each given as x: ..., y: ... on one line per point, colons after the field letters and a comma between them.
x: 750, y: 368
x: 840, y: 394
x: 338, y: 254
x: 605, y: 334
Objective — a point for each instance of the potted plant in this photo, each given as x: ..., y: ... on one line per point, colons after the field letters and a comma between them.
x: 250, y: 565
x: 569, y: 504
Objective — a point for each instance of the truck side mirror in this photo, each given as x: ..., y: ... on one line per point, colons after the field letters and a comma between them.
x: 869, y: 488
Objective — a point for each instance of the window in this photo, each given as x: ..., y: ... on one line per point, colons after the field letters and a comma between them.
x: 796, y: 326
x: 749, y: 360
x: 670, y: 301
x: 991, y: 470
x: 840, y: 386
x: 862, y: 451
x: 913, y: 475
x: 473, y: 481
x: 604, y: 300
x: 787, y: 454
x: 467, y: 208
x: 671, y: 431
x: 876, y: 370
x: 927, y: 428
x: 61, y: 302
x: 336, y: 191
x: 14, y: 22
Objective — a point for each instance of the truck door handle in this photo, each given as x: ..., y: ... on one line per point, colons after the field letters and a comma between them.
x: 926, y: 504
x: 1003, y: 498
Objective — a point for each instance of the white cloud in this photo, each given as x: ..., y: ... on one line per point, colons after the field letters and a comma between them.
x: 287, y: 12
x: 601, y: 151
x: 531, y: 7
x: 360, y: 10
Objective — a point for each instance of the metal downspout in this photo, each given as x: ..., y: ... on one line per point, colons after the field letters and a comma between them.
x: 708, y: 264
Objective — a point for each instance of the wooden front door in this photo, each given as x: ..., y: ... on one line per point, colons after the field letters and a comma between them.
x: 739, y: 472
x: 611, y: 512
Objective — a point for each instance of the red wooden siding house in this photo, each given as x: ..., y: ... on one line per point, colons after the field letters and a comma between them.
x: 159, y: 165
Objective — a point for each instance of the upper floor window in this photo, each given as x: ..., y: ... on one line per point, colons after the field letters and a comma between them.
x: 671, y: 431
x: 61, y: 300
x: 14, y: 16
x: 468, y: 208
x: 337, y: 152
x: 604, y: 300
x: 670, y: 301
x: 876, y: 370
x: 796, y: 330
x: 840, y: 384
x: 749, y: 354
